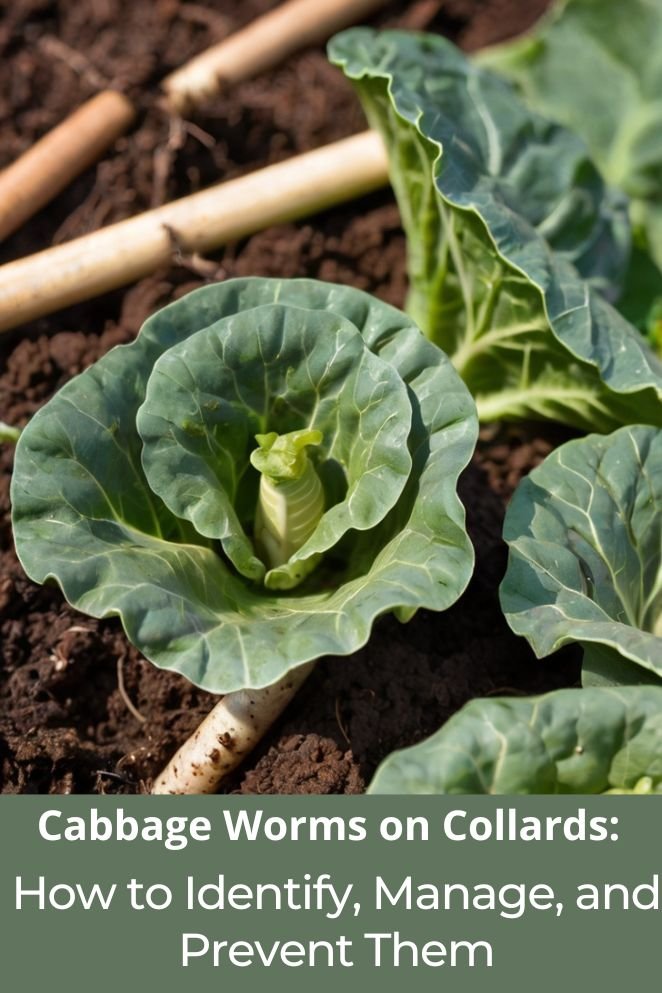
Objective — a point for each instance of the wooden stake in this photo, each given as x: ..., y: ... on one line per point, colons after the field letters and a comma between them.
x: 66, y: 151
x: 262, y: 45
x: 127, y: 251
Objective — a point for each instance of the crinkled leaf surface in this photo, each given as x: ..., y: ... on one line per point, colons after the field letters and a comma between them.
x: 568, y: 741
x: 585, y: 563
x: 596, y: 66
x: 273, y: 368
x: 514, y: 241
x: 85, y: 516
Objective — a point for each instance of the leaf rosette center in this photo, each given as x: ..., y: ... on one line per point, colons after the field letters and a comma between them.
x: 275, y: 372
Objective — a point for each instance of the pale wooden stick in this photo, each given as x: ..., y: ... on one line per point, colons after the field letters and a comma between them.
x: 122, y: 253
x: 261, y: 45
x: 46, y: 168
x: 226, y: 736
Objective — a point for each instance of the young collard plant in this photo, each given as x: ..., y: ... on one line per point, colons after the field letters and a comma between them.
x: 515, y: 244
x: 585, y: 561
x: 269, y: 467
x: 596, y: 740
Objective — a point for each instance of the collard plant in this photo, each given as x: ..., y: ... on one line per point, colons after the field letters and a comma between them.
x: 516, y: 246
x: 269, y: 467
x: 595, y: 740
x: 585, y: 562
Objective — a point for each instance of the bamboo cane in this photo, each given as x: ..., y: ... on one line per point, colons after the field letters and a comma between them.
x: 265, y: 43
x: 61, y: 155
x: 124, y: 252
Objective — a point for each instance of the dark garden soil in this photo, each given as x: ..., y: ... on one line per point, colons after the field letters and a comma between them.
x: 80, y: 710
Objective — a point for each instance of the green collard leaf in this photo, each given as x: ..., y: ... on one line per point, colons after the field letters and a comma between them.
x: 585, y: 564
x: 596, y: 66
x: 514, y: 241
x: 156, y: 529
x: 568, y: 741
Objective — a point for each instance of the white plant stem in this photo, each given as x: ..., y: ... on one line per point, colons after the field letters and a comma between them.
x: 227, y: 735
